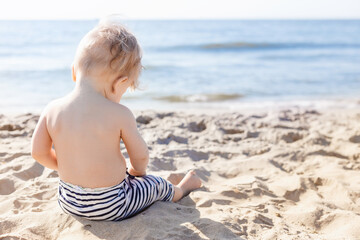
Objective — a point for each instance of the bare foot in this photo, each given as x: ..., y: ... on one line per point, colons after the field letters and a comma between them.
x: 189, y: 183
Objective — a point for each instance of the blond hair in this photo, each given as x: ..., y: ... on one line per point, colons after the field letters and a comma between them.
x: 109, y: 48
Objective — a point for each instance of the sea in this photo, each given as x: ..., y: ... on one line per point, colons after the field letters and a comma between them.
x: 191, y: 63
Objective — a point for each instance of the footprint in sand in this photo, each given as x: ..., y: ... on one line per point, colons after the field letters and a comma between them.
x: 11, y: 127
x: 34, y: 171
x: 172, y: 137
x: 163, y: 115
x: 261, y: 219
x: 8, y: 227
x: 258, y: 189
x: 232, y: 130
x: 292, y: 137
x: 293, y: 195
x: 355, y: 139
x: 288, y: 116
x: 19, y: 205
x: 328, y: 154
x: 192, y: 154
x: 6, y: 186
x: 235, y: 193
x: 245, y: 120
x: 320, y: 141
x: 44, y: 195
x: 225, y: 155
x: 53, y: 174
x: 23, y: 205
x: 16, y: 155
x: 209, y: 203
x: 197, y: 127
x: 250, y: 134
x: 143, y: 119
x: 162, y: 164
x: 31, y: 118
x: 254, y: 151
x: 13, y: 168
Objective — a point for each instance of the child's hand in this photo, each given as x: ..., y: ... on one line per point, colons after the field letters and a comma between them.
x: 135, y: 173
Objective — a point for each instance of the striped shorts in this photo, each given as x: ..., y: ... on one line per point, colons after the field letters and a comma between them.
x: 114, y: 203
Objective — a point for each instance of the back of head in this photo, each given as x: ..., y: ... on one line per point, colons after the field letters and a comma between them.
x: 109, y: 48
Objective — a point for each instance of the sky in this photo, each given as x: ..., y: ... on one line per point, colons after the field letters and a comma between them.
x: 181, y: 9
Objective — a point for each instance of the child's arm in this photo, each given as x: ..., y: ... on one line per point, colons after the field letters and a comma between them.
x: 135, y: 145
x: 41, y: 145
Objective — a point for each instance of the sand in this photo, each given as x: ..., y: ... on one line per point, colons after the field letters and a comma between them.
x: 290, y: 173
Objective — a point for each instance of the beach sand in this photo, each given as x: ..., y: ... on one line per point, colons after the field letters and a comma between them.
x: 290, y: 173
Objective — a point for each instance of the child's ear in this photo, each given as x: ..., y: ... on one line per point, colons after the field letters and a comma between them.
x: 73, y: 73
x: 118, y: 82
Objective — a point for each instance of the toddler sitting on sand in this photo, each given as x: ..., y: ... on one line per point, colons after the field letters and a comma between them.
x: 86, y: 127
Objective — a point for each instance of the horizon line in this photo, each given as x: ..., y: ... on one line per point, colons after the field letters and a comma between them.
x: 178, y: 19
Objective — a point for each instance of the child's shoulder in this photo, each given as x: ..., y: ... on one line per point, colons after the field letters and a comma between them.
x: 123, y: 113
x: 120, y: 115
x: 52, y: 106
x: 57, y: 105
x: 111, y: 111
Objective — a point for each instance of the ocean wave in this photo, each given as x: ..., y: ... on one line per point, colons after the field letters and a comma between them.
x: 257, y: 46
x: 216, y: 97
x: 33, y: 70
x: 234, y: 45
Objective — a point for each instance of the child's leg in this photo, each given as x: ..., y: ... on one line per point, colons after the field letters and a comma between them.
x: 189, y: 183
x: 140, y: 192
x: 143, y: 191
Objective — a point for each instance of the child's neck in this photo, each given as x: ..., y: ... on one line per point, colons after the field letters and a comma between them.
x: 89, y: 87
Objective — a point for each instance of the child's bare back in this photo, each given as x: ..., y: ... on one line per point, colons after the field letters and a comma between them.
x: 86, y: 127
x: 86, y: 131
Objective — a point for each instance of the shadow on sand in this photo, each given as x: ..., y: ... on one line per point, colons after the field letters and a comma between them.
x: 163, y: 220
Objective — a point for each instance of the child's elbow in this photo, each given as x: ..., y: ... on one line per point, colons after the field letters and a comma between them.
x: 34, y: 150
x: 35, y: 155
x: 146, y: 159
